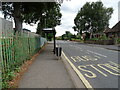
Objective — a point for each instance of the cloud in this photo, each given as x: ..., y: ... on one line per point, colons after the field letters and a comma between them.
x: 61, y: 30
x: 69, y: 10
x: 31, y: 28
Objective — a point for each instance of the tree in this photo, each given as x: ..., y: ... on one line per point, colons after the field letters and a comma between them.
x: 20, y: 11
x: 51, y: 18
x: 67, y: 36
x: 13, y: 10
x: 92, y: 17
x: 28, y: 12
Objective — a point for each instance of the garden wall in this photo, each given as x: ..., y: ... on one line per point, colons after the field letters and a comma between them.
x: 101, y: 42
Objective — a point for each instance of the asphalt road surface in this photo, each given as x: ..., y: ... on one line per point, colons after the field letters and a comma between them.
x: 97, y: 65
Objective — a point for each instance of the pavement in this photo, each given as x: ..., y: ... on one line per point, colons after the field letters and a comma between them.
x: 46, y: 72
x: 49, y: 72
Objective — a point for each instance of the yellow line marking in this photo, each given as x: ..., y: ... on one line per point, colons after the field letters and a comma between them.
x: 100, y: 65
x: 84, y: 58
x: 116, y: 64
x: 93, y: 75
x: 79, y: 59
x: 85, y: 82
x: 73, y: 59
x: 98, y: 70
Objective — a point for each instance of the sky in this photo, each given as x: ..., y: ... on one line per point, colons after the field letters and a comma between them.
x: 70, y: 8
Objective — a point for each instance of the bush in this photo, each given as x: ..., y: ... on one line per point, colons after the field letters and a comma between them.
x: 94, y: 39
x: 118, y: 40
x: 100, y: 38
x: 103, y: 38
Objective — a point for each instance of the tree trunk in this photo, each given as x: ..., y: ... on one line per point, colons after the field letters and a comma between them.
x: 91, y: 35
x: 17, y: 17
x: 18, y: 24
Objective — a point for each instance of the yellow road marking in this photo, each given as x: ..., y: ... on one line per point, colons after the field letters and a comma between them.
x: 85, y: 82
x: 73, y: 59
x: 113, y: 68
x: 100, y: 65
x: 93, y: 75
x: 79, y: 59
x: 118, y: 65
x: 98, y: 70
x: 85, y: 59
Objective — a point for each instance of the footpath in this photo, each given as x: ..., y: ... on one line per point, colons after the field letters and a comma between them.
x: 46, y: 72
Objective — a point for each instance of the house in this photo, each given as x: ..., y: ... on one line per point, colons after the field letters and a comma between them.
x: 114, y: 31
x: 107, y: 31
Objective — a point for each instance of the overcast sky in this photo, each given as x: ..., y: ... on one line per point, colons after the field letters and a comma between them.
x: 69, y: 9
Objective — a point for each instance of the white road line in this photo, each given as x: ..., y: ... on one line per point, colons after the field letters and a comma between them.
x: 97, y: 53
x: 87, y: 52
x: 97, y: 56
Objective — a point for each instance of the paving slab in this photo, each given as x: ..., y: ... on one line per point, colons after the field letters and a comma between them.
x: 46, y: 72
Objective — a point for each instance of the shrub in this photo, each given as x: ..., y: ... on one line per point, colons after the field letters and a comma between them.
x: 118, y: 40
x: 100, y: 38
x: 103, y: 38
x: 94, y: 39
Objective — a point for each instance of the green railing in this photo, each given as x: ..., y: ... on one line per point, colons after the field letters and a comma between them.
x: 17, y: 49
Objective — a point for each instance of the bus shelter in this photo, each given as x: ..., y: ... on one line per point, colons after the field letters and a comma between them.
x: 51, y: 30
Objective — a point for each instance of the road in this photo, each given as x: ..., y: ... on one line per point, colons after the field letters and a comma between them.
x: 98, y: 67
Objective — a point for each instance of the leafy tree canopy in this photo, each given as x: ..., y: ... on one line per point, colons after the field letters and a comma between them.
x: 92, y: 17
x: 51, y: 18
x: 32, y: 12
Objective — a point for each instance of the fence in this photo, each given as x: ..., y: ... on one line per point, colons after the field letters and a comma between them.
x: 16, y: 49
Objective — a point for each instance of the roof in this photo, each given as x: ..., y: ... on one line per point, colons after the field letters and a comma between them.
x: 48, y: 30
x: 106, y: 30
x: 115, y: 28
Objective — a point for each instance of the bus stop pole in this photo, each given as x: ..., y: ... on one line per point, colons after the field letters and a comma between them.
x: 54, y: 41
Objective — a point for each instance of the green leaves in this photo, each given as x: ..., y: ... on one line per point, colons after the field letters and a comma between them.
x: 67, y: 36
x: 33, y: 12
x: 50, y: 18
x: 93, y: 17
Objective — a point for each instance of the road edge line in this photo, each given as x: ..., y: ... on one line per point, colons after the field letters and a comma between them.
x: 81, y: 77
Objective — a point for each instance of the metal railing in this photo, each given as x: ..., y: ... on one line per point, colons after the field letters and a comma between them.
x: 17, y: 49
